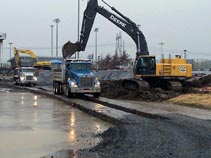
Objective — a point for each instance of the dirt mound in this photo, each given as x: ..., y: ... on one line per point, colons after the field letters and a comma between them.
x: 202, y: 81
x: 113, y: 89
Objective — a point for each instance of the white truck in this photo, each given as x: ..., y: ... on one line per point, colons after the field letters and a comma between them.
x: 25, y: 76
x: 75, y: 76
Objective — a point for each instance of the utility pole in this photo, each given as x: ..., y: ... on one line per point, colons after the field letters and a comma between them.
x: 96, y: 31
x: 10, y: 48
x: 57, y: 20
x: 51, y: 40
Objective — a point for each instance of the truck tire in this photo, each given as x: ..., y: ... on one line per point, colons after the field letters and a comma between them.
x: 68, y: 93
x: 96, y: 95
x: 59, y: 88
x: 19, y: 82
x: 54, y: 87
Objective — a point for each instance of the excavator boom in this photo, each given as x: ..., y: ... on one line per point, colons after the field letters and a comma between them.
x: 24, y: 51
x: 120, y: 21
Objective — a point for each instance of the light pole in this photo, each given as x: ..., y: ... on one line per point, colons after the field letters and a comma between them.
x: 10, y: 48
x: 51, y: 39
x: 185, y: 54
x: 78, y: 24
x: 98, y: 59
x: 57, y: 20
x: 96, y: 31
x: 2, y: 38
x: 161, y: 48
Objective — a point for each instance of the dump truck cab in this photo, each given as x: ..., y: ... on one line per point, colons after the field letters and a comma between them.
x: 25, y: 76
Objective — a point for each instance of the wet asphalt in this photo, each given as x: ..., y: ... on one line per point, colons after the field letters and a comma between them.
x: 32, y: 125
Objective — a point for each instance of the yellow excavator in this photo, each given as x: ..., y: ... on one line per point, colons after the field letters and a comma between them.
x: 35, y: 63
x: 170, y: 73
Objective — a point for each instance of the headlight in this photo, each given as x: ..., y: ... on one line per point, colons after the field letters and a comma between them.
x: 73, y: 84
x: 35, y: 78
x: 97, y: 84
x: 21, y: 78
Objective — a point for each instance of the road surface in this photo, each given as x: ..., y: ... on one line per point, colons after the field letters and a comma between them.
x: 32, y: 126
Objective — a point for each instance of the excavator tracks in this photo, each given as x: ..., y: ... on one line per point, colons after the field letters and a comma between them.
x: 176, y: 86
x: 136, y: 85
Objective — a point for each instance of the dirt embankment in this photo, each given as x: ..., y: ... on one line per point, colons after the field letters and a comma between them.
x: 113, y: 89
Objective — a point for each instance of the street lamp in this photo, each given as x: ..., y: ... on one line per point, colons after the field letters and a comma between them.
x: 96, y: 31
x: 185, y: 54
x: 10, y: 48
x: 161, y: 48
x: 78, y: 24
x: 51, y: 39
x: 98, y: 59
x: 57, y: 20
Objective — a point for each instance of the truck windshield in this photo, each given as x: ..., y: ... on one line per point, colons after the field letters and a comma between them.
x: 26, y: 70
x: 80, y: 66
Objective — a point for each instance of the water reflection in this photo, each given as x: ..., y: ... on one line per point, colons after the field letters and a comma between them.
x: 35, y: 100
x: 72, y: 136
x: 35, y: 116
x: 72, y: 118
x: 22, y: 99
x: 98, y: 127
x: 35, y: 97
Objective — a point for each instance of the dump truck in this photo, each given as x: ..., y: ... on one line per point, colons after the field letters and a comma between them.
x: 24, y: 75
x: 74, y: 76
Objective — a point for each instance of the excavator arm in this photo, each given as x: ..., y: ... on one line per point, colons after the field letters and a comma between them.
x: 17, y: 57
x: 119, y: 20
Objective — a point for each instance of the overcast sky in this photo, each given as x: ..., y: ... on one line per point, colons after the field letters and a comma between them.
x: 180, y: 24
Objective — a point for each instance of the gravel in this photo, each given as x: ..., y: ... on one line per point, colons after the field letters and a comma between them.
x: 175, y: 137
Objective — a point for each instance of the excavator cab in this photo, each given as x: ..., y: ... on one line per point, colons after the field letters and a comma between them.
x: 145, y: 65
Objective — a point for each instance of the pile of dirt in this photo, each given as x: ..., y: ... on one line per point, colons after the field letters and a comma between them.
x: 201, y: 84
x: 203, y: 81
x: 113, y: 89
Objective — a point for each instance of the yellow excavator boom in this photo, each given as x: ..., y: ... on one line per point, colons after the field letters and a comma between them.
x: 24, y: 51
x: 33, y: 55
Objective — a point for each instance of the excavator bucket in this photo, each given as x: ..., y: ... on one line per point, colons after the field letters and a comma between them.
x: 69, y: 49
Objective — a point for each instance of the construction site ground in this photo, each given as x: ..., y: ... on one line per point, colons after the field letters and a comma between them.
x: 176, y: 131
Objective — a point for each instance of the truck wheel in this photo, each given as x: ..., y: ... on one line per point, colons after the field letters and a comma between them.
x: 54, y: 88
x: 59, y: 89
x: 19, y: 83
x: 96, y: 95
x: 68, y: 93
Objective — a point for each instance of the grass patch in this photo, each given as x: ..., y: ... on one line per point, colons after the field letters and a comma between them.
x: 194, y: 100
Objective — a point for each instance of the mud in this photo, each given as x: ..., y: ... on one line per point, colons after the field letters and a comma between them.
x: 113, y: 89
